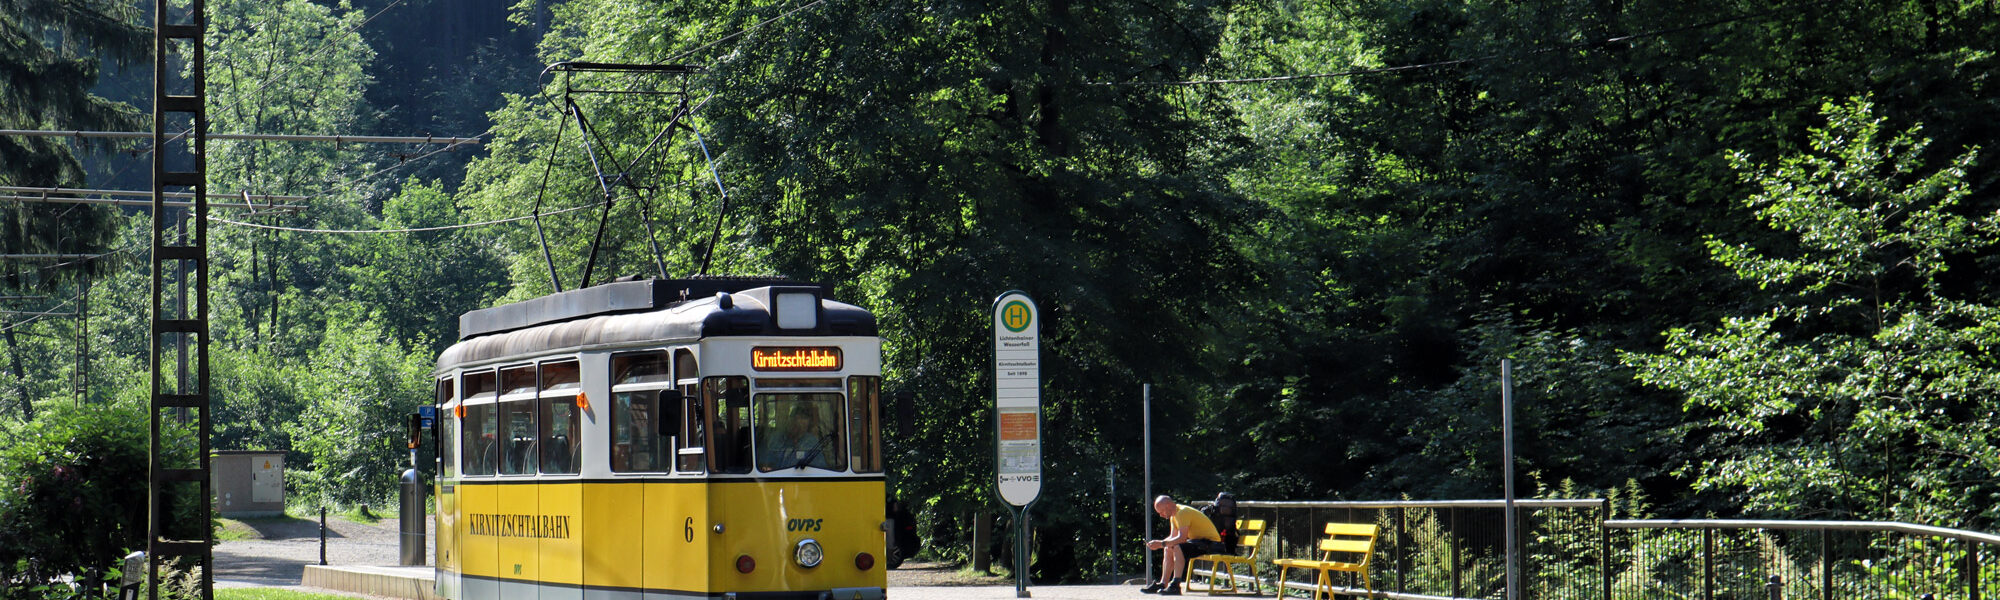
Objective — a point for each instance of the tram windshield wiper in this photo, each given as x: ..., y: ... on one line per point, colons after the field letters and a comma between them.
x: 806, y: 461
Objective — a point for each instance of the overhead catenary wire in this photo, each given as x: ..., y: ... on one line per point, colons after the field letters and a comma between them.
x: 17, y: 189
x: 281, y: 76
x: 490, y: 130
x: 406, y: 230
x: 536, y: 214
x: 273, y: 208
x: 349, y: 183
x: 44, y: 314
x: 275, y: 137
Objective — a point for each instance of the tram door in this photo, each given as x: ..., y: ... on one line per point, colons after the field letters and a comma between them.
x: 559, y: 444
x: 613, y: 511
x: 446, y: 492
x: 676, y: 518
x: 479, y: 458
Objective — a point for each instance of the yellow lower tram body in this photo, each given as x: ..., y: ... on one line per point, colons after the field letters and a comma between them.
x: 655, y: 539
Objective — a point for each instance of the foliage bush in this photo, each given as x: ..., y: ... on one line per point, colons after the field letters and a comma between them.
x: 359, y: 387
x: 73, y: 497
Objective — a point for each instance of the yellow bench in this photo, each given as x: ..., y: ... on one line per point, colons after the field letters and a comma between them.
x: 1342, y: 539
x: 1251, y: 532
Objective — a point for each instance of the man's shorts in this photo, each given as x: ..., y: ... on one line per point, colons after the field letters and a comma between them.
x: 1198, y: 547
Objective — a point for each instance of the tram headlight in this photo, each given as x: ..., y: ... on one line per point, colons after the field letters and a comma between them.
x: 808, y: 553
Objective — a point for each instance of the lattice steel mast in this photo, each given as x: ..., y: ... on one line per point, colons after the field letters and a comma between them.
x: 181, y: 261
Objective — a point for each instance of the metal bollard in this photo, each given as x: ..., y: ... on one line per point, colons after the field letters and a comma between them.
x: 322, y: 535
x: 411, y: 518
x: 1776, y: 585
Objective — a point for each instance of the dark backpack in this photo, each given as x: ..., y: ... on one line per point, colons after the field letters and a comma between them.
x: 1223, y: 514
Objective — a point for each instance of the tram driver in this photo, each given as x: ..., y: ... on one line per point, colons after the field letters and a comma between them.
x: 798, y: 445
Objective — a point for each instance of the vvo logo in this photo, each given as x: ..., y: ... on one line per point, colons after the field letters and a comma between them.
x: 804, y: 524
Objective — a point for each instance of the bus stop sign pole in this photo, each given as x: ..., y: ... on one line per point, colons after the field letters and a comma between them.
x: 1017, y: 415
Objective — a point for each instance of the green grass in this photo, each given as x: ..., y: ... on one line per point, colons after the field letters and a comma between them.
x: 230, y: 530
x: 374, y: 515
x: 273, y: 594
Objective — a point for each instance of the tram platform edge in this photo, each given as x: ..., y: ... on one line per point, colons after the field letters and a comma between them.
x: 408, y: 583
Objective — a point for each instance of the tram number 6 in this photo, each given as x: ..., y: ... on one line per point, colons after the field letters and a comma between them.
x: 688, y: 530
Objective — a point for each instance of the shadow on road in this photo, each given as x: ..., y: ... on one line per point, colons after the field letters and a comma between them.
x: 289, y: 528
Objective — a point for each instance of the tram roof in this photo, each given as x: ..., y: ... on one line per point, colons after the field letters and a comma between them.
x: 645, y: 310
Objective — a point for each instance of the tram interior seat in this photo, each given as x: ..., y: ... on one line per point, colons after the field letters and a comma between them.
x: 486, y: 457
x: 521, y: 454
x: 555, y: 454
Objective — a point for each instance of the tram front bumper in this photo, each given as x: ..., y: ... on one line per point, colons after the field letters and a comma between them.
x: 856, y: 593
x: 862, y: 593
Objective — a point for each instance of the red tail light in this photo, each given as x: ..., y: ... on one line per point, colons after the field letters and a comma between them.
x: 745, y: 564
x: 864, y: 561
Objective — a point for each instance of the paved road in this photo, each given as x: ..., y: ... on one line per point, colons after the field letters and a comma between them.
x: 288, y: 545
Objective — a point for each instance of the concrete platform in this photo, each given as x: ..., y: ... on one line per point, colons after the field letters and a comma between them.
x: 415, y: 583
x: 408, y: 583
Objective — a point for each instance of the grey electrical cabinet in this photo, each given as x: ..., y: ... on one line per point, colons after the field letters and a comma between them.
x: 249, y: 483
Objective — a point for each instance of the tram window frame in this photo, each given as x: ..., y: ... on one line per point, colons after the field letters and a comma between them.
x: 775, y: 412
x: 482, y: 458
x: 520, y: 455
x: 864, y: 426
x: 726, y: 405
x: 637, y: 379
x: 447, y: 433
x: 561, y: 383
x: 691, y: 455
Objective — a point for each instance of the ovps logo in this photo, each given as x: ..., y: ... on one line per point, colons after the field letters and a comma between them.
x: 804, y: 524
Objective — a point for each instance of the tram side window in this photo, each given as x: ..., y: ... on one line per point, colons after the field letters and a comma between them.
x: 637, y: 444
x: 448, y: 447
x: 447, y: 435
x: 478, y: 430
x: 557, y: 413
x: 729, y: 424
x: 864, y: 423
x: 481, y: 440
x: 560, y: 428
x: 692, y: 431
x: 517, y: 433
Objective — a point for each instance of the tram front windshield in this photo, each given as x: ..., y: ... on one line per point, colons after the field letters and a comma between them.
x: 799, y: 430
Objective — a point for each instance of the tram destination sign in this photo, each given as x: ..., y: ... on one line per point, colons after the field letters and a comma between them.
x: 817, y: 358
x: 1017, y: 397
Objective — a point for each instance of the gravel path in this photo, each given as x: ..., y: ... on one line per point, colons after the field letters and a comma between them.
x: 282, y: 547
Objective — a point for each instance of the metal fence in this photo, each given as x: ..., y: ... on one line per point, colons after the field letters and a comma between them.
x: 1449, y: 548
x: 1803, y: 560
x: 1570, y: 550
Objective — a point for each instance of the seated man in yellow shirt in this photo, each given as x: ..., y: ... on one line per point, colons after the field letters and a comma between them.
x: 1191, y: 535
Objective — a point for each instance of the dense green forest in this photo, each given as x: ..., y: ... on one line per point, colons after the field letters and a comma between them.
x: 1735, y: 250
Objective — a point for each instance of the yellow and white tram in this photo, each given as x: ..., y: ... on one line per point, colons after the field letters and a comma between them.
x: 657, y: 439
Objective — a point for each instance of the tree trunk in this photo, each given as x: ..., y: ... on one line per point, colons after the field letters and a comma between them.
x: 20, y: 377
x: 982, y: 536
